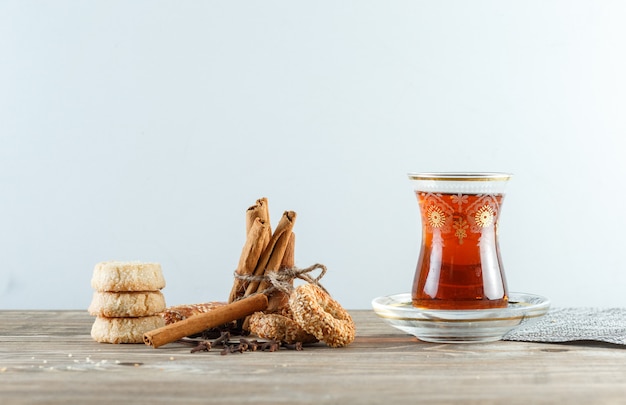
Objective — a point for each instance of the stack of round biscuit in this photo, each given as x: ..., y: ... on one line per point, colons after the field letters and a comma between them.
x: 127, y: 301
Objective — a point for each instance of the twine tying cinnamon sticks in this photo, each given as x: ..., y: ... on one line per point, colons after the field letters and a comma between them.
x: 281, y: 280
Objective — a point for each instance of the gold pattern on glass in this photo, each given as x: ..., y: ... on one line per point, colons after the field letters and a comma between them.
x: 484, y: 216
x: 436, y: 216
x: 460, y: 229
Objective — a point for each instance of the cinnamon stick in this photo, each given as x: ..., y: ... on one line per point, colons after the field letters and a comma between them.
x: 276, y: 258
x: 260, y: 209
x: 256, y: 242
x: 279, y: 299
x: 198, y: 323
x: 274, y: 263
x: 273, y: 253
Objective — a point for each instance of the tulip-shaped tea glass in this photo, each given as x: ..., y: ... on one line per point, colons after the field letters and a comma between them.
x: 459, y: 265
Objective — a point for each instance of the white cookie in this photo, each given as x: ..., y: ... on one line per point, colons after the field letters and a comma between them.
x: 127, y: 276
x: 124, y: 330
x: 127, y: 304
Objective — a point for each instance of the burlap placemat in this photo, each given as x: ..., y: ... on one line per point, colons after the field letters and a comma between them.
x: 575, y: 324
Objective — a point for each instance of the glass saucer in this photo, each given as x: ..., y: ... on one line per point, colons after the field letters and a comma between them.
x: 460, y: 326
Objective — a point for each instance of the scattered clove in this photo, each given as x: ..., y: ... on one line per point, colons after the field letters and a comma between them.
x: 223, y: 339
x: 244, y: 345
x: 203, y: 346
x: 270, y: 345
x: 295, y: 346
x: 252, y: 345
x: 234, y: 348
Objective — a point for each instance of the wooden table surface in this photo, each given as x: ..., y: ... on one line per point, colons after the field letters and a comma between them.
x: 49, y: 357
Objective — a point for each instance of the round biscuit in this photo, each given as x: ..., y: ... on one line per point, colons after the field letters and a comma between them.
x: 124, y: 330
x: 126, y: 304
x: 127, y: 276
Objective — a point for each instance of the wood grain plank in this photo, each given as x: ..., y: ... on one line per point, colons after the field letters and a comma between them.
x: 49, y: 357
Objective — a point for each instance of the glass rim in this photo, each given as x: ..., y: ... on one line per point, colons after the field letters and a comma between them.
x: 460, y: 176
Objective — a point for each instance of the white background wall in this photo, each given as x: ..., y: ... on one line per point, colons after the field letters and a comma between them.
x: 142, y: 130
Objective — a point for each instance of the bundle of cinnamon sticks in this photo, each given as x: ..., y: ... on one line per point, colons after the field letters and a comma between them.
x: 263, y: 251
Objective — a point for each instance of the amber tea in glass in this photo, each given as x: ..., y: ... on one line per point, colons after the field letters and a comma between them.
x: 459, y: 265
